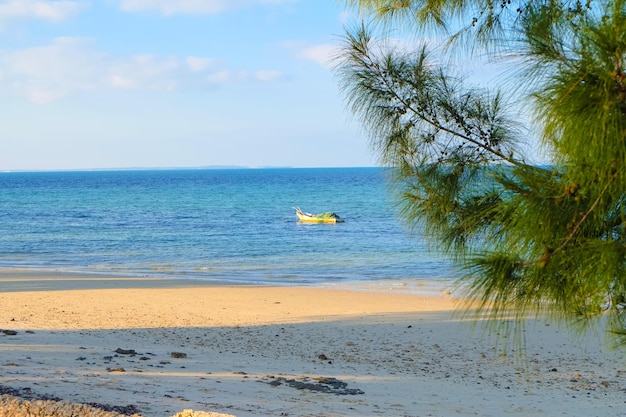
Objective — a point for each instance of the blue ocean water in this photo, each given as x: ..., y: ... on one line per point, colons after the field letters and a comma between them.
x: 223, y: 225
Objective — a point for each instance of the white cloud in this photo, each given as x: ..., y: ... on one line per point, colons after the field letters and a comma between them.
x: 221, y: 77
x: 269, y: 76
x: 40, y: 9
x: 119, y: 81
x: 145, y: 72
x: 196, y: 63
x: 71, y: 65
x: 229, y: 77
x: 170, y: 7
x: 321, y: 54
x: 46, y: 73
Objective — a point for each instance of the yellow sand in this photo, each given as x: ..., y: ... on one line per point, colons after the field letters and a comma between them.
x: 252, y: 350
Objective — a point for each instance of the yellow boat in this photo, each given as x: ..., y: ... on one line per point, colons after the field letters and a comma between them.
x: 327, y: 217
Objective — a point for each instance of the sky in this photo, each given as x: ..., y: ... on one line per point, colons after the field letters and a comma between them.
x: 96, y: 84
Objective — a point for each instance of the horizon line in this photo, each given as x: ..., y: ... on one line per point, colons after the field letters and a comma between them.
x: 176, y: 168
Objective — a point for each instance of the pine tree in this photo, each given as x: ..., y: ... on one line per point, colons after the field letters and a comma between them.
x: 531, y: 239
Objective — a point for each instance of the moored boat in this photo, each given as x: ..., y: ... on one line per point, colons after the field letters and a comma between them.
x: 326, y: 217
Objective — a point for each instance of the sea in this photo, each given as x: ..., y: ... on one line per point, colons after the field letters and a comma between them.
x: 233, y: 226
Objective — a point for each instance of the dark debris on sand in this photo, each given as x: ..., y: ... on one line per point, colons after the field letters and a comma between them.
x: 322, y: 384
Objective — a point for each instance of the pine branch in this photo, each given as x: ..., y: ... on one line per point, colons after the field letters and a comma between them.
x: 578, y: 225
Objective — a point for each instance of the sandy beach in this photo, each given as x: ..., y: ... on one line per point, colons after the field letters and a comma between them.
x: 158, y: 346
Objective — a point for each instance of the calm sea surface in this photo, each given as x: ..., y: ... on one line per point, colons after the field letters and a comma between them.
x: 224, y: 225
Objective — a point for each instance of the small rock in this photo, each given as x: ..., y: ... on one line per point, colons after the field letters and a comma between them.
x: 116, y: 370
x: 125, y: 351
x: 323, y: 357
x: 178, y: 355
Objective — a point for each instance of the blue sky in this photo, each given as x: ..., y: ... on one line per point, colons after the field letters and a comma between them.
x: 173, y: 83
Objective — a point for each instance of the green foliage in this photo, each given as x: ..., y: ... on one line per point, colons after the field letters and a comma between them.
x: 532, y: 239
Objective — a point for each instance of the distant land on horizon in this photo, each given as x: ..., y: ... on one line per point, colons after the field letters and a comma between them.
x: 207, y: 167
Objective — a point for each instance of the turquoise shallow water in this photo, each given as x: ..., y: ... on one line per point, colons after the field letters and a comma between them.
x: 225, y: 225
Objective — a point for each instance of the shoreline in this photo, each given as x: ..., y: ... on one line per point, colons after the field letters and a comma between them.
x: 163, y: 346
x: 23, y: 279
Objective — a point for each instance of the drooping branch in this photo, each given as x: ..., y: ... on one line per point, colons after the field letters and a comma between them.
x: 393, y: 90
